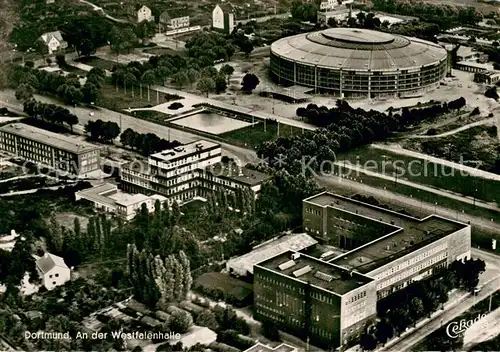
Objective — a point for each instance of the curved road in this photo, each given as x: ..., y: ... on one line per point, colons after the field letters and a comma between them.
x: 396, y: 148
x: 460, y: 129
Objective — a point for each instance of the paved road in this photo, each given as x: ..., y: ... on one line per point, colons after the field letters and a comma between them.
x: 484, y: 330
x: 196, y: 99
x: 336, y: 183
x: 7, y: 98
x: 492, y: 120
x: 441, y: 318
x: 470, y: 170
x: 100, y: 9
x: 356, y: 170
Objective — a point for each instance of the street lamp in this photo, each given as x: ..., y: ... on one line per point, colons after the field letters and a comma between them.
x: 435, y: 207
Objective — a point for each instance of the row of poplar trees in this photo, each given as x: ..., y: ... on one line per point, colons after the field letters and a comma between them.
x: 241, y: 199
x: 157, y: 281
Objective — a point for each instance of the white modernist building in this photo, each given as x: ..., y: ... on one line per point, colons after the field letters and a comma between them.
x: 187, y: 171
x: 107, y: 197
x: 53, y: 271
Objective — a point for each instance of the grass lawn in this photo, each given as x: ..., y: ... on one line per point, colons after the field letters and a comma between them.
x: 254, y: 135
x: 77, y: 71
x: 160, y: 51
x: 239, y: 289
x: 97, y: 62
x: 151, y: 115
x: 118, y: 100
x: 425, y: 173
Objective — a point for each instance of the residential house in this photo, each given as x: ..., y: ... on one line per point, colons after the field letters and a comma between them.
x: 174, y: 19
x: 143, y: 13
x: 223, y: 18
x: 54, y: 41
x: 53, y: 271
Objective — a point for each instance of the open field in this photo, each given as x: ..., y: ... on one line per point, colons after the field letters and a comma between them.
x: 476, y: 144
x: 118, y: 100
x: 425, y: 173
x: 252, y: 136
x: 211, y: 122
x: 421, y: 195
x: 160, y: 51
x: 97, y: 62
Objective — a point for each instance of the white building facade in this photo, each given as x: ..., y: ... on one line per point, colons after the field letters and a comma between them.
x: 53, y: 271
x: 223, y: 18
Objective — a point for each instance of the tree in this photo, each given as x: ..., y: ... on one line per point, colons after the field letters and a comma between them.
x: 24, y: 92
x: 270, y: 331
x: 332, y: 22
x: 180, y: 79
x: 249, y: 82
x: 206, y: 85
x: 148, y: 78
x: 180, y: 321
x: 127, y: 137
x: 220, y: 84
x: 71, y: 120
x: 227, y: 70
x: 416, y: 309
x: 90, y: 93
x: 130, y: 80
x: 61, y: 60
x: 207, y: 318
x: 367, y: 342
x: 384, y: 331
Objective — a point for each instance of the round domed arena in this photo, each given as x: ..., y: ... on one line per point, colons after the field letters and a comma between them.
x: 358, y: 63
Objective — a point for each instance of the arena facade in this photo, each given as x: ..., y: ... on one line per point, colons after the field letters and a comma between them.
x: 358, y: 63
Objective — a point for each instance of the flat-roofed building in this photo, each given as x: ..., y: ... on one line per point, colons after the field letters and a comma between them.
x: 109, y: 198
x: 48, y: 149
x: 387, y: 251
x: 187, y: 171
x: 243, y: 265
x: 313, y: 299
x: 407, y: 248
x: 488, y: 77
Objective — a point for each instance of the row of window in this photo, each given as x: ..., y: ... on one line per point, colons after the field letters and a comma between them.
x: 412, y: 260
x: 412, y: 271
x: 356, y: 297
x: 313, y: 211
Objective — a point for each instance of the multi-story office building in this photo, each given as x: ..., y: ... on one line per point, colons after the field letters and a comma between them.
x: 387, y: 248
x: 313, y: 299
x: 407, y: 249
x: 49, y: 149
x: 190, y: 170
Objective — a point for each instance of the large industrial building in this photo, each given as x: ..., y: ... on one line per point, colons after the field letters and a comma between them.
x: 187, y: 171
x: 51, y: 150
x: 386, y: 251
x: 358, y: 63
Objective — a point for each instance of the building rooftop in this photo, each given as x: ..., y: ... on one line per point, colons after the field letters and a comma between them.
x: 244, y: 175
x: 465, y: 51
x: 227, y: 7
x: 50, y: 261
x: 295, y: 242
x: 183, y: 151
x: 56, y: 140
x: 260, y: 347
x: 358, y: 49
x: 126, y: 199
x: 474, y: 64
x: 409, y: 233
x: 318, y: 273
x: 488, y: 73
x: 100, y: 193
